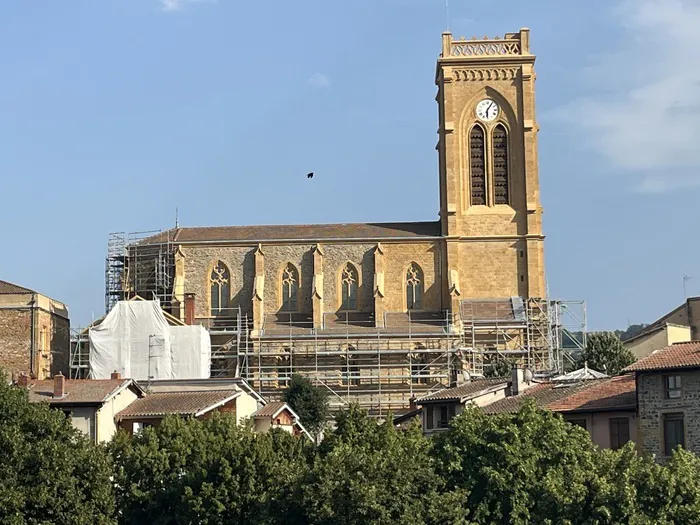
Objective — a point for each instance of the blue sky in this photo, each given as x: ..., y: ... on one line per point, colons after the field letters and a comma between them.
x: 115, y: 112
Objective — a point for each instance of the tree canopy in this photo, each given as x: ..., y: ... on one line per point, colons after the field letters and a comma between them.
x: 605, y: 353
x: 50, y: 473
x: 308, y: 401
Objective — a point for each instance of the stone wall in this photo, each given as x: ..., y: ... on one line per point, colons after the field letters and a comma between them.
x: 653, y: 405
x: 276, y: 258
x: 15, y: 340
x: 335, y: 257
x: 397, y: 259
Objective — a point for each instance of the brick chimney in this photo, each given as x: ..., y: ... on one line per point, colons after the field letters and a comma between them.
x: 189, y: 308
x: 59, y: 385
x: 23, y: 380
x: 115, y: 375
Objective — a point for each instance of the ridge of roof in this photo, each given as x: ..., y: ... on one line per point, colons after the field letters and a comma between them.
x: 676, y: 356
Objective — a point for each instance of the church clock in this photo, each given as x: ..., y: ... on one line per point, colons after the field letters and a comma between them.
x: 487, y: 110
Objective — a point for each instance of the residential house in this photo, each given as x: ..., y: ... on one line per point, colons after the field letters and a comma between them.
x: 91, y: 404
x: 657, y: 337
x: 439, y: 408
x: 668, y: 399
x: 198, y: 398
x: 279, y: 415
x: 34, y: 333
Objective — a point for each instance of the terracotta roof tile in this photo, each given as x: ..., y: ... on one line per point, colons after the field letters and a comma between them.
x: 542, y: 394
x: 679, y: 355
x: 310, y: 232
x: 465, y: 391
x: 9, y: 288
x: 616, y: 393
x: 270, y: 409
x: 182, y: 403
x: 87, y: 391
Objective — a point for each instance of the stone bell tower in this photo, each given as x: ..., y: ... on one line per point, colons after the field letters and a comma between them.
x: 490, y: 209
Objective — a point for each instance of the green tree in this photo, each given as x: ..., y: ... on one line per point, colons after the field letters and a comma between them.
x: 309, y: 402
x: 369, y: 472
x: 50, y: 473
x: 605, y: 352
x: 207, y: 472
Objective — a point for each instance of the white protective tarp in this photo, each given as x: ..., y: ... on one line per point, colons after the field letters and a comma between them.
x: 135, y: 340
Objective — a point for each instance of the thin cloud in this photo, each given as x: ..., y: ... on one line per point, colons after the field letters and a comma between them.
x: 642, y: 111
x: 319, y: 81
x: 177, y: 5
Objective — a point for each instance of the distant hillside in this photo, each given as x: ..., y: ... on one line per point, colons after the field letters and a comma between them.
x: 631, y: 331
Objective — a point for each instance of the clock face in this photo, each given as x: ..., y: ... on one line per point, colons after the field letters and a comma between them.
x: 487, y: 110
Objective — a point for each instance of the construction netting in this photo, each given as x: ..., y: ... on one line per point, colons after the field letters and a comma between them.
x: 136, y: 340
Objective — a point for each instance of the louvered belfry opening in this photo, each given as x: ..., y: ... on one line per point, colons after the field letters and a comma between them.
x: 500, y: 165
x: 477, y: 166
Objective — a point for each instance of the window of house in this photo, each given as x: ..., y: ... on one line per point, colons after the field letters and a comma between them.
x: 578, y: 422
x: 477, y: 166
x: 220, y: 284
x: 429, y: 415
x: 619, y: 432
x: 672, y: 387
x: 290, y: 288
x: 500, y: 165
x: 447, y: 412
x: 414, y: 287
x: 348, y: 282
x: 674, y: 432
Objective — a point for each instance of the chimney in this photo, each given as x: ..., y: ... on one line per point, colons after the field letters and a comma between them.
x: 189, y: 308
x: 23, y: 380
x: 517, y: 380
x: 115, y: 375
x: 59, y: 385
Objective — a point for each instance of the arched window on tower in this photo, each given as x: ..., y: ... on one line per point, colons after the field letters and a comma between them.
x: 220, y: 289
x: 414, y: 287
x: 290, y: 288
x: 500, y: 165
x: 477, y: 166
x: 348, y: 284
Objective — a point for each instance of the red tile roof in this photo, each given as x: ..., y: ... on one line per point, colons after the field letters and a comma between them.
x: 542, y: 394
x: 160, y: 404
x: 465, y: 391
x: 679, y: 355
x: 9, y: 288
x: 616, y: 393
x: 310, y: 232
x: 271, y: 409
x: 77, y: 391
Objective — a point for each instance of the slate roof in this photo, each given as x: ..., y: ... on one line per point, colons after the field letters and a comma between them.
x: 465, y: 391
x: 160, y: 404
x: 292, y: 232
x: 542, y: 394
x: 676, y: 356
x: 616, y: 393
x: 77, y: 391
x: 9, y: 288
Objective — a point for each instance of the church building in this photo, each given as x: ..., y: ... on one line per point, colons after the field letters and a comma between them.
x: 381, y: 313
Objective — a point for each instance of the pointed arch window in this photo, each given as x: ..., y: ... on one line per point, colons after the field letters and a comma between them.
x: 220, y: 288
x: 414, y: 287
x: 477, y: 166
x: 500, y: 165
x: 348, y: 284
x: 290, y: 288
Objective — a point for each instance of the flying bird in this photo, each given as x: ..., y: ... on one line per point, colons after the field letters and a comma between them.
x: 310, y: 175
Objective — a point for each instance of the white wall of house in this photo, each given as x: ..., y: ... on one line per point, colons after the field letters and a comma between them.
x: 643, y: 346
x: 106, y: 423
x: 246, y: 406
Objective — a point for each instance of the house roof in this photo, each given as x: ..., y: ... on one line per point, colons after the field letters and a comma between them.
x: 160, y: 404
x: 291, y: 232
x: 272, y: 409
x: 9, y: 288
x: 79, y: 391
x: 616, y: 393
x: 678, y: 355
x: 466, y: 391
x: 542, y: 394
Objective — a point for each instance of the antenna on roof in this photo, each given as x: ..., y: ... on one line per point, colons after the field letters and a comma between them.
x: 177, y: 220
x: 686, y: 278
